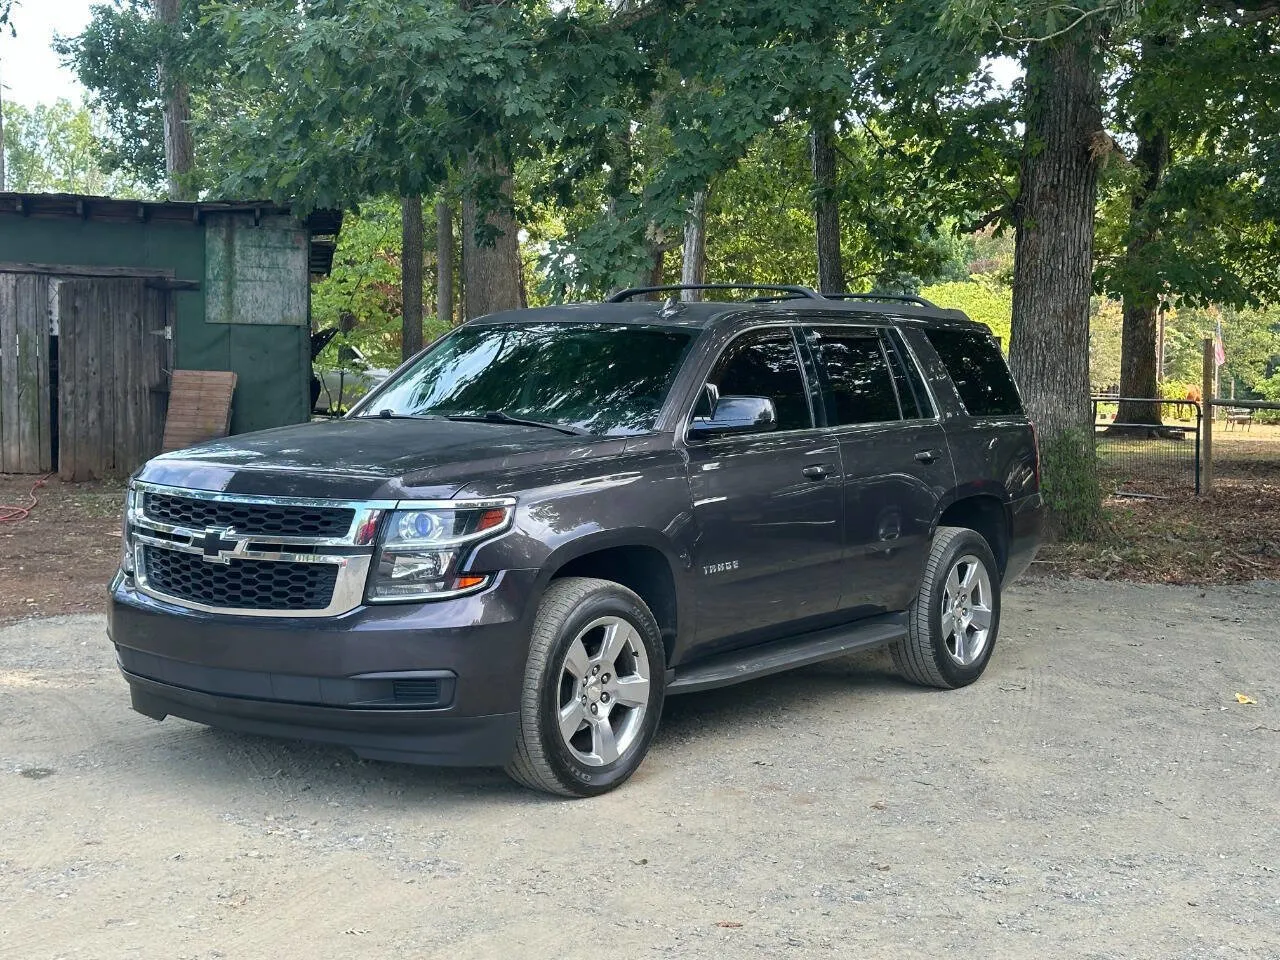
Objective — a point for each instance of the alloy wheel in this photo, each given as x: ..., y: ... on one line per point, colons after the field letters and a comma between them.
x: 966, y: 610
x: 603, y: 691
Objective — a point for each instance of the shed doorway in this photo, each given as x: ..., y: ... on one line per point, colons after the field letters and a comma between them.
x: 84, y: 364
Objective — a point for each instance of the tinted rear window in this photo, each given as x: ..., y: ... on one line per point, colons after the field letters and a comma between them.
x: 858, y: 388
x: 911, y: 392
x: 979, y: 372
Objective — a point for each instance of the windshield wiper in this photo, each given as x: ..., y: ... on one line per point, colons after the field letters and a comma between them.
x: 389, y: 414
x: 497, y: 416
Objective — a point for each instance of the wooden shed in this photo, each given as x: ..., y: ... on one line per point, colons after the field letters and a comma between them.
x: 100, y: 299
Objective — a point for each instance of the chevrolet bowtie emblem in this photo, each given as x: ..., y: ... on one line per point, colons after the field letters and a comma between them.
x: 216, y: 544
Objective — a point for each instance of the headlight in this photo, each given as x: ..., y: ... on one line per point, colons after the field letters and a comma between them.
x: 423, y: 549
x: 126, y: 531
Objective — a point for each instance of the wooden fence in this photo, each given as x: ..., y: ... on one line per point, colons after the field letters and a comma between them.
x: 26, y: 441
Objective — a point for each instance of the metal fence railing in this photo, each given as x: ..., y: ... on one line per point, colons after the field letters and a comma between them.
x: 1144, y: 459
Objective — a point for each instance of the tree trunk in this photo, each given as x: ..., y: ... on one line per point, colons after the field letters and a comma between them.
x: 656, y: 273
x: 1141, y: 303
x: 490, y: 263
x: 3, y: 179
x: 411, y: 257
x: 444, y: 262
x: 1053, y: 272
x: 693, y: 268
x: 826, y: 207
x: 179, y: 151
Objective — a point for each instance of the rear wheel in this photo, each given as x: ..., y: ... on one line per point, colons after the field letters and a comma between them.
x: 593, y: 689
x: 952, y: 625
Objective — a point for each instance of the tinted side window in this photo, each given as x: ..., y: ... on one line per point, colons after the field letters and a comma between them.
x: 765, y: 364
x: 858, y: 386
x: 911, y: 391
x: 978, y: 371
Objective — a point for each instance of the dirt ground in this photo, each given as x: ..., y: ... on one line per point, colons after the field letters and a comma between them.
x: 59, y: 558
x: 1231, y: 534
x: 1100, y: 793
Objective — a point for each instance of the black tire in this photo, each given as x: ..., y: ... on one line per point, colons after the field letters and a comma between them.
x: 925, y: 656
x: 543, y: 760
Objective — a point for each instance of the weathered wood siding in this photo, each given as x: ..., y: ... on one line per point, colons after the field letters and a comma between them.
x: 25, y: 442
x: 112, y: 365
x: 273, y: 361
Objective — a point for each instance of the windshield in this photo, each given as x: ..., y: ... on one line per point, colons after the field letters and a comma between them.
x: 603, y: 378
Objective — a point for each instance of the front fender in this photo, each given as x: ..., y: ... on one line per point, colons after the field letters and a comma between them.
x: 637, y: 499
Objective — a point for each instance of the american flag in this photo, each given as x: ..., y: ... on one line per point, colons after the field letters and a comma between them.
x: 1219, y: 354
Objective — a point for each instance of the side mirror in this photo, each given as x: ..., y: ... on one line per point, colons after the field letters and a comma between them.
x: 736, y: 415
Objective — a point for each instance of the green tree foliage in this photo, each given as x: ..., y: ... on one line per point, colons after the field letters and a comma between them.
x: 1211, y: 226
x: 1251, y: 343
x: 366, y: 287
x: 115, y: 59
x: 982, y: 299
x: 57, y: 149
x: 1106, y: 320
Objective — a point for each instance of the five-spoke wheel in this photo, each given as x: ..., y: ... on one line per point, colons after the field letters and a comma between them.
x: 593, y: 689
x: 953, y: 622
x: 966, y: 610
x: 604, y: 691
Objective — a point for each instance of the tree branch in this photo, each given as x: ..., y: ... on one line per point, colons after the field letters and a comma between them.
x: 1081, y: 18
x: 1242, y: 13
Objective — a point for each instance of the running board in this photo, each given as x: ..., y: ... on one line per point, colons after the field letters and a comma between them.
x: 786, y: 654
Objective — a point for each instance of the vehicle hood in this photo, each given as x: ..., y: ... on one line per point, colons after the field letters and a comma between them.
x: 368, y: 458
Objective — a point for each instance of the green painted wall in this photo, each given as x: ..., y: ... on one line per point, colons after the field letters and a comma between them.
x: 272, y: 363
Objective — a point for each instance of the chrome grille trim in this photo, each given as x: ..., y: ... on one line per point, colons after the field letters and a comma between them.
x: 353, y: 552
x: 348, y: 592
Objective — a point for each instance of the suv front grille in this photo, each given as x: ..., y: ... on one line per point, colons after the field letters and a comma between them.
x: 240, y: 584
x: 259, y: 519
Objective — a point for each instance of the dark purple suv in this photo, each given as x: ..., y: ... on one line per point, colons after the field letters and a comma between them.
x: 550, y: 520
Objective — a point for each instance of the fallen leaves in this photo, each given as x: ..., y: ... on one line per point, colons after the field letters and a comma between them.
x: 1245, y: 698
x: 1229, y: 536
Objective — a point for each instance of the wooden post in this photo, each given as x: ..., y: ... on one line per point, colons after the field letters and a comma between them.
x: 1208, y: 370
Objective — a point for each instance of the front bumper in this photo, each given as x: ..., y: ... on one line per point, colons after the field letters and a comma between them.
x: 435, y: 683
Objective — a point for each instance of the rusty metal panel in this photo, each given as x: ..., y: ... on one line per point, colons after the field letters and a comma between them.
x: 26, y: 444
x: 256, y: 273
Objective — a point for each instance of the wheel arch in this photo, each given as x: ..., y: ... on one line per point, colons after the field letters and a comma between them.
x: 637, y: 559
x: 987, y: 514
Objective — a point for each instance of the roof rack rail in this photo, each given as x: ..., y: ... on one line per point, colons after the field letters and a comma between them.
x: 889, y: 297
x: 793, y: 290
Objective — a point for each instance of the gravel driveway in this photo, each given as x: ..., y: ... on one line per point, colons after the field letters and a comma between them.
x: 1100, y: 793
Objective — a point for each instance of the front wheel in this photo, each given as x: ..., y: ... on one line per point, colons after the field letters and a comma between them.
x: 953, y: 622
x: 593, y: 689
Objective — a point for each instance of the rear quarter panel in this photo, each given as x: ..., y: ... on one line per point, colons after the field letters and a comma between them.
x: 993, y: 456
